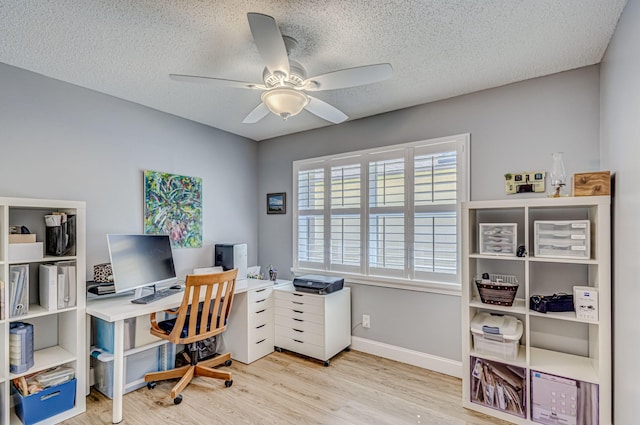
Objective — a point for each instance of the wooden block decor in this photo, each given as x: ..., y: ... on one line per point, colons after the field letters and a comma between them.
x: 592, y: 184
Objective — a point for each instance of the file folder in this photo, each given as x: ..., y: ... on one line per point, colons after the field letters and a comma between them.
x: 19, y: 289
x: 48, y: 286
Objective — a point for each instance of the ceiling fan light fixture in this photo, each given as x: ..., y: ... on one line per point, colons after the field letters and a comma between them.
x: 285, y: 101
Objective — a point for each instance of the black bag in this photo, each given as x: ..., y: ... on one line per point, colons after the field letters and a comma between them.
x: 206, y: 350
x: 551, y: 303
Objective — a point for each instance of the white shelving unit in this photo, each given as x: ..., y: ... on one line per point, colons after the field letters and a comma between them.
x: 59, y: 335
x: 552, y: 343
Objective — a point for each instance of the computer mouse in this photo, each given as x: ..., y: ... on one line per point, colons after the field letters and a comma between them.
x: 176, y: 287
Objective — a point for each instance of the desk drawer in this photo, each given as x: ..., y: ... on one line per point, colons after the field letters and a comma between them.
x: 260, y: 332
x: 299, y: 346
x: 260, y: 305
x: 300, y: 297
x: 259, y: 294
x: 302, y: 324
x: 299, y: 314
x: 260, y: 348
x: 300, y: 335
x: 260, y: 317
x: 300, y: 305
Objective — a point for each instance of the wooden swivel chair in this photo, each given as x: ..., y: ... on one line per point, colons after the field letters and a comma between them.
x: 203, y: 313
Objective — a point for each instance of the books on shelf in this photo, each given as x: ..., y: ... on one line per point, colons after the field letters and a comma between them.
x: 101, y: 288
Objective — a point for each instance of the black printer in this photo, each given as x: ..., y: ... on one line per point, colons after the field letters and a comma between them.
x: 318, y: 284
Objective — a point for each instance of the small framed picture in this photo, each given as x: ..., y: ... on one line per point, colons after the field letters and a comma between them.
x: 277, y: 203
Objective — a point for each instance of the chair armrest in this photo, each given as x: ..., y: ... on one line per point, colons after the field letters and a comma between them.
x: 154, y: 323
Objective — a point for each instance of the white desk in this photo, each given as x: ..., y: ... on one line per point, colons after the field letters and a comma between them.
x: 117, y: 309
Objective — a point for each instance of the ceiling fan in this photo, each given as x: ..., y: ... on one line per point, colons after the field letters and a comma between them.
x: 285, y: 83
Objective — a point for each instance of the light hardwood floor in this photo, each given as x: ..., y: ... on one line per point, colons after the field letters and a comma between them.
x: 284, y: 388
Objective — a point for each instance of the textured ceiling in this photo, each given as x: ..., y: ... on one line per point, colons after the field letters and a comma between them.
x: 438, y: 49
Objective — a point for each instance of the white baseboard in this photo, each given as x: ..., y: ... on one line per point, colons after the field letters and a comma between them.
x: 403, y: 355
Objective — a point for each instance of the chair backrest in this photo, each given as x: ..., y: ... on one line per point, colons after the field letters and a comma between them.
x: 205, y: 306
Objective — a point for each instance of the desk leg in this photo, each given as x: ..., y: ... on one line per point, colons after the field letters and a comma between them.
x: 118, y: 370
x: 88, y: 356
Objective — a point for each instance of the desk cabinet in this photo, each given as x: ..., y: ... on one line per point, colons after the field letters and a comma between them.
x: 249, y: 335
x: 317, y: 326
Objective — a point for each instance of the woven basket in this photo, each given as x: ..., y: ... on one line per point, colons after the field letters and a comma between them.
x: 501, y: 291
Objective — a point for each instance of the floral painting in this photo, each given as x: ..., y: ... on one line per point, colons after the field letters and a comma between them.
x: 173, y: 206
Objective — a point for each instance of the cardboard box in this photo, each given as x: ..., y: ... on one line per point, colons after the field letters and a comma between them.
x: 592, y: 184
x: 20, y: 238
x: 26, y: 251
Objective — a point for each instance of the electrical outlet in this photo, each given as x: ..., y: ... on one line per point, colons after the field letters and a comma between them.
x: 366, y: 321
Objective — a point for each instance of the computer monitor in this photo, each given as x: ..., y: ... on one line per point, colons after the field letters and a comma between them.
x: 140, y: 260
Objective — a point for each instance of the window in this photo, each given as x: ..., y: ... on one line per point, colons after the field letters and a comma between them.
x: 387, y: 214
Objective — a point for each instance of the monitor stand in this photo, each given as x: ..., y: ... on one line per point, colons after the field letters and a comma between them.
x: 139, y: 291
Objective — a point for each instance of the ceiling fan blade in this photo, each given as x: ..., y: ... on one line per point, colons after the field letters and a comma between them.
x: 220, y: 82
x: 325, y: 111
x: 268, y: 39
x: 350, y: 77
x: 256, y: 115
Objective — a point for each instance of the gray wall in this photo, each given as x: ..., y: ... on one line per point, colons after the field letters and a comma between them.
x: 60, y: 141
x: 513, y: 128
x: 620, y: 137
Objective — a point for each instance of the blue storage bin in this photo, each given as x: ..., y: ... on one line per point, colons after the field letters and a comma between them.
x: 45, y: 404
x: 105, y: 330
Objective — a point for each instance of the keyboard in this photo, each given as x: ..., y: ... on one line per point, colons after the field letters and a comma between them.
x: 158, y: 295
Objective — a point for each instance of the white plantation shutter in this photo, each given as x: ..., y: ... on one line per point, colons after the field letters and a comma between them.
x: 390, y: 212
x: 386, y: 216
x: 435, y: 247
x: 311, y: 222
x: 346, y: 211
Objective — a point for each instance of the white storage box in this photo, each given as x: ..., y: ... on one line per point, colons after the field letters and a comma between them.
x: 564, y: 239
x: 496, y: 335
x: 26, y: 251
x: 585, y: 302
x: 498, y: 238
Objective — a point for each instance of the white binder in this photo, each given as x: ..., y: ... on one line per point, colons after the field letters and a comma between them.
x: 19, y: 289
x: 48, y: 286
x: 66, y: 285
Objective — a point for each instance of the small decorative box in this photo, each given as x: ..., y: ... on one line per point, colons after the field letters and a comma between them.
x: 102, y: 273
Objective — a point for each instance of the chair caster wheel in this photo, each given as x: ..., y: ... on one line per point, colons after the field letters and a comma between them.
x: 326, y: 364
x: 178, y: 399
x: 228, y: 363
x: 151, y: 385
x: 228, y: 383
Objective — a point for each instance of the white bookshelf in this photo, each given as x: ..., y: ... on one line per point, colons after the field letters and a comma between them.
x: 552, y: 343
x: 59, y: 335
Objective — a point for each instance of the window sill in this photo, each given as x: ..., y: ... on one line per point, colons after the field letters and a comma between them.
x: 387, y: 282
